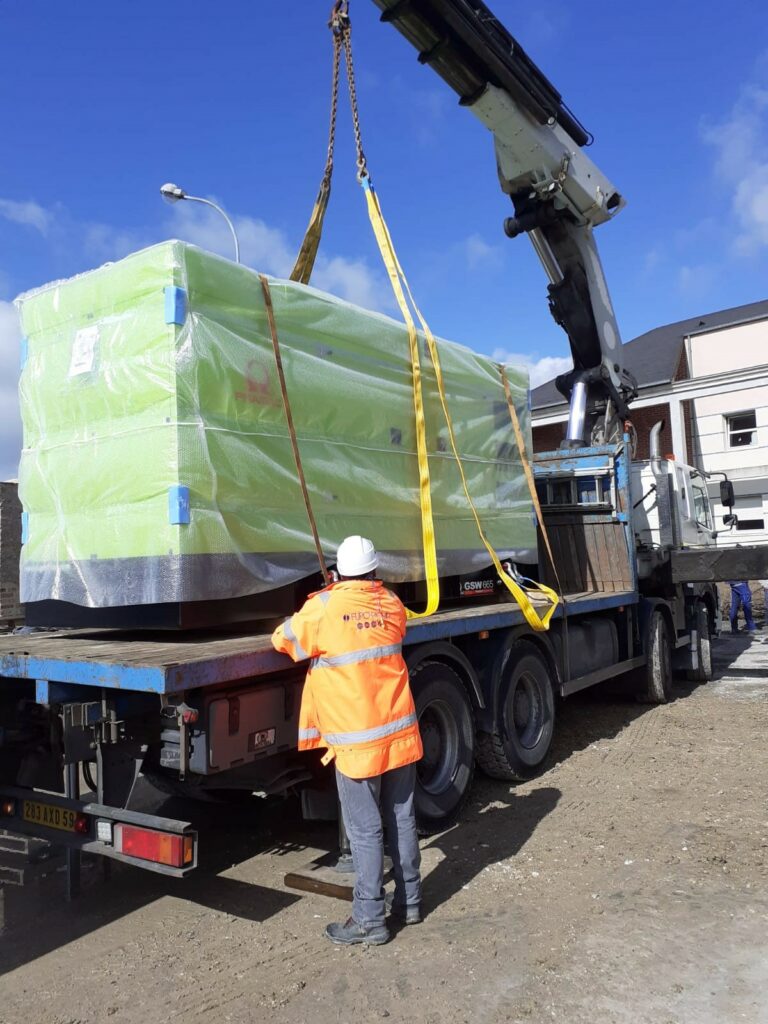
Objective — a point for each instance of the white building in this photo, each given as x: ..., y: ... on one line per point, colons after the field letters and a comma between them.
x: 707, y: 378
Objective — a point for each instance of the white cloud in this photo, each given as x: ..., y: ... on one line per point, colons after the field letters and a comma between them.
x: 268, y: 249
x: 10, y: 425
x: 354, y: 281
x: 105, y: 242
x: 540, y: 368
x: 697, y: 280
x: 480, y: 254
x: 29, y: 213
x: 740, y: 142
x: 262, y: 247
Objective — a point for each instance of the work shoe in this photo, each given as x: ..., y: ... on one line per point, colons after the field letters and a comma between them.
x: 408, y: 915
x: 352, y: 934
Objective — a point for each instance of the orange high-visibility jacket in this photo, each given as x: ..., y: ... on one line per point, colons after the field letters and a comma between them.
x: 356, y: 700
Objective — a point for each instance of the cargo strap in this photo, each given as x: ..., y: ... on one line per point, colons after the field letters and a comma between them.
x: 291, y: 429
x: 400, y: 287
x: 529, y: 475
x: 341, y: 28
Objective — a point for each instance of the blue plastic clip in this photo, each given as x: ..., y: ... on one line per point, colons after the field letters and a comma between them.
x: 24, y: 527
x: 366, y: 183
x: 178, y: 505
x: 23, y: 353
x: 175, y: 304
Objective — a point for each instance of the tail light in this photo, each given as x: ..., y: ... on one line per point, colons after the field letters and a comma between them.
x: 159, y: 847
x: 8, y: 808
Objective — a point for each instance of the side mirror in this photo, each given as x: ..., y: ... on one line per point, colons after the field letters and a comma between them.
x: 730, y: 520
x: 727, y: 497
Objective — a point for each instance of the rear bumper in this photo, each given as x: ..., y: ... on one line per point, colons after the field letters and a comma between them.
x: 93, y: 814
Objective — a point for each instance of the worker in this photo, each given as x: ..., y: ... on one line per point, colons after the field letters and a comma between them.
x: 357, y: 702
x: 741, y: 595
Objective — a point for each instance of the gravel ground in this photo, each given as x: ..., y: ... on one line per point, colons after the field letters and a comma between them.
x: 628, y: 883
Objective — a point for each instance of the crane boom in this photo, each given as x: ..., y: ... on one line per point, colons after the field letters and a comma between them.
x: 557, y: 192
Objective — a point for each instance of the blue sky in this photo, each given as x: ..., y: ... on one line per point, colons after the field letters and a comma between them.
x: 103, y: 102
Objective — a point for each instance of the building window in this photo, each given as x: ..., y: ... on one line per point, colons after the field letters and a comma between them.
x: 749, y: 509
x: 741, y: 429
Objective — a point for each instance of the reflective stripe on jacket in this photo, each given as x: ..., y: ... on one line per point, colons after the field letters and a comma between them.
x: 356, y: 700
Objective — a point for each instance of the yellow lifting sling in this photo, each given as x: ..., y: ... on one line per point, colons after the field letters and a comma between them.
x: 341, y: 29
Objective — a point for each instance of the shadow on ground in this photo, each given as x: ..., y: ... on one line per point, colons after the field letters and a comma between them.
x: 38, y: 918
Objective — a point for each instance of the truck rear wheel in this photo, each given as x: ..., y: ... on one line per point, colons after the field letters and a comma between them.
x: 524, y: 718
x: 703, y: 673
x: 446, y: 723
x: 658, y: 667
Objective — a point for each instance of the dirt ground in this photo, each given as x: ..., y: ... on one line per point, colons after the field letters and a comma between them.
x: 628, y: 883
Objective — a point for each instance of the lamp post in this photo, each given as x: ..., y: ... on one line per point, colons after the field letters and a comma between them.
x: 173, y: 193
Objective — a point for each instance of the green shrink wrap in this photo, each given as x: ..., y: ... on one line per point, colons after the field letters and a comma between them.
x: 157, y: 464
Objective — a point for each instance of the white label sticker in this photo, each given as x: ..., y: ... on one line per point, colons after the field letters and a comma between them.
x: 84, y: 350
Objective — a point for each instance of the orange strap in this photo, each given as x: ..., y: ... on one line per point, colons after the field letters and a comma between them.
x: 291, y: 429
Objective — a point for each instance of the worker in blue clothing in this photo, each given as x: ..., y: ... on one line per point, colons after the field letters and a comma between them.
x: 741, y: 596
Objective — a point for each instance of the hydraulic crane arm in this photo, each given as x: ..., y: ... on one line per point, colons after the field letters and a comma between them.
x: 558, y: 194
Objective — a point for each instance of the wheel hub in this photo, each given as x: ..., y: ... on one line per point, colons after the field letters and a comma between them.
x: 526, y: 711
x: 440, y: 739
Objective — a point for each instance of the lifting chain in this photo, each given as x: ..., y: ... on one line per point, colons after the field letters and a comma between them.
x: 342, y: 29
x: 328, y: 173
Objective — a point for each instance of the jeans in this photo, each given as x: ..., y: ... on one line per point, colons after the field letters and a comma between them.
x: 741, y: 596
x: 364, y: 803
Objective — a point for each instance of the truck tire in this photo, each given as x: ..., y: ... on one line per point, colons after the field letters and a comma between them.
x: 446, y: 723
x: 703, y: 673
x: 658, y: 667
x: 524, y: 718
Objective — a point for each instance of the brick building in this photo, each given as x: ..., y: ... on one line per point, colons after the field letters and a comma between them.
x: 707, y: 379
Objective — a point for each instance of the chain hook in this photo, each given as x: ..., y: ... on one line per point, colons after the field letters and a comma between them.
x: 339, y: 19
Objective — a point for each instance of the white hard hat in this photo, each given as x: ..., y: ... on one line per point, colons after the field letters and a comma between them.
x: 356, y: 556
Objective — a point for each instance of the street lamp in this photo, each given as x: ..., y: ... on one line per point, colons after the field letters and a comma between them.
x: 173, y: 193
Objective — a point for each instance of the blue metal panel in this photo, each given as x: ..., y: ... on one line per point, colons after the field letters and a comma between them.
x: 567, y: 462
x: 440, y: 629
x: 601, y: 603
x: 175, y: 305
x: 141, y: 679
x: 149, y: 679
x: 49, y: 693
x: 60, y: 678
x: 178, y: 505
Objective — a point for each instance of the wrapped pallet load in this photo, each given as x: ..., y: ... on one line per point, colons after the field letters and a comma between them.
x: 157, y: 470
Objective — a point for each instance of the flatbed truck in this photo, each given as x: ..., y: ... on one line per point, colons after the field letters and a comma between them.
x: 207, y: 715
x: 634, y: 561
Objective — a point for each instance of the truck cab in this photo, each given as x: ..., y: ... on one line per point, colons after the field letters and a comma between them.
x: 671, y: 510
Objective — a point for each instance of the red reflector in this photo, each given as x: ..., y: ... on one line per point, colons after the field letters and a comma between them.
x: 82, y: 824
x: 159, y: 847
x: 8, y: 808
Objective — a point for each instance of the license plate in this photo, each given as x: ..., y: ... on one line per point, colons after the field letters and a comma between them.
x: 48, y: 815
x: 259, y: 740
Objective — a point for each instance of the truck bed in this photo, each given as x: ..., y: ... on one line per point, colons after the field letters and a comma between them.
x: 163, y: 664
